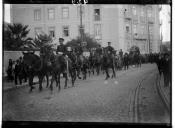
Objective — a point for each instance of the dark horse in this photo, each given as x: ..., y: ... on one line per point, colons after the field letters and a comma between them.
x: 37, y: 66
x: 60, y: 65
x: 108, y: 62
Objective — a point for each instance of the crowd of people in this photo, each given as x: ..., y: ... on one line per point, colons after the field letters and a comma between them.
x: 17, y: 72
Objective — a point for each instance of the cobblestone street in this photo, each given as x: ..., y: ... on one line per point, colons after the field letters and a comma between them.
x: 92, y: 100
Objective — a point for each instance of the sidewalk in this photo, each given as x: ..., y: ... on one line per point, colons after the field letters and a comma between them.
x: 6, y: 86
x: 166, y: 91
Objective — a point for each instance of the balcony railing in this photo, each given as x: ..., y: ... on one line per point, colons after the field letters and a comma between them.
x: 151, y: 20
x: 140, y: 36
x: 97, y: 17
x: 127, y: 15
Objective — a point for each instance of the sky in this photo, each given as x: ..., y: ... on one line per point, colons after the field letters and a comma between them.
x: 164, y: 17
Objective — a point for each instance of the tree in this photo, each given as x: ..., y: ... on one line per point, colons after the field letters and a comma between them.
x: 15, y: 36
x: 91, y: 43
x: 134, y: 49
x: 164, y: 48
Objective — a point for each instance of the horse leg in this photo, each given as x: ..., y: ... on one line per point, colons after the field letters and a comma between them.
x: 51, y: 87
x: 107, y: 74
x: 114, y: 75
x: 59, y: 86
x: 47, y: 77
x: 72, y: 77
x: 31, y: 83
x: 65, y: 76
x: 40, y: 82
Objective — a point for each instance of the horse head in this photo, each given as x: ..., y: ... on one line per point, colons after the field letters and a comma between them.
x: 32, y: 60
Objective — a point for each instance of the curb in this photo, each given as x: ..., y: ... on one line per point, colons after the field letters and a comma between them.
x: 162, y: 94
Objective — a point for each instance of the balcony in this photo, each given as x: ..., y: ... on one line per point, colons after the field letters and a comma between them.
x: 128, y: 35
x: 160, y: 8
x: 140, y: 36
x: 151, y: 20
x: 127, y: 15
x: 142, y: 19
x: 96, y: 17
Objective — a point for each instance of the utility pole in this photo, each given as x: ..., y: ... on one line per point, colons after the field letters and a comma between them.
x: 81, y: 26
x: 161, y: 37
x: 147, y: 22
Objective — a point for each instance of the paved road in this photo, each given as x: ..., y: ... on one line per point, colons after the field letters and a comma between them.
x: 92, y: 100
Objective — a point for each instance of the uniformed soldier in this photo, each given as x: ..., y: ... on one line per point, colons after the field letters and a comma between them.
x: 62, y: 51
x: 109, y: 48
x: 99, y: 50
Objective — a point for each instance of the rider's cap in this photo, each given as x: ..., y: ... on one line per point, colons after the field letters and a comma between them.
x: 61, y: 39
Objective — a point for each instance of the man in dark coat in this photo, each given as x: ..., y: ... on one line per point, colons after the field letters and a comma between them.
x: 166, y: 69
x: 16, y: 71
x: 109, y: 48
x: 62, y: 51
x: 126, y: 61
x: 159, y: 62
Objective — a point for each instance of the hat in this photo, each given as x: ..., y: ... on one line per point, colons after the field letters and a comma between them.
x: 61, y: 39
x: 109, y: 42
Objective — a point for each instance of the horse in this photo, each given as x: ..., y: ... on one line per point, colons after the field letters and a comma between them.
x: 98, y: 60
x: 61, y: 65
x: 36, y: 66
x: 109, y: 62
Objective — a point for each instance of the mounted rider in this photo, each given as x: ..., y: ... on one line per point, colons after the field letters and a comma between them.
x: 99, y: 50
x: 109, y: 50
x: 61, y: 51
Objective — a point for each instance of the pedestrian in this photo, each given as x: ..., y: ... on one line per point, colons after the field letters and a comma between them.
x: 166, y: 69
x: 159, y: 63
x: 23, y: 70
x: 126, y: 61
x: 10, y: 70
x: 16, y: 73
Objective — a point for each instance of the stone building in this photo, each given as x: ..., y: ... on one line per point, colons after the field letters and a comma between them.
x: 123, y: 25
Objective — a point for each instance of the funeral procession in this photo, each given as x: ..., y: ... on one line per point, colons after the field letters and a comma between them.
x: 87, y: 63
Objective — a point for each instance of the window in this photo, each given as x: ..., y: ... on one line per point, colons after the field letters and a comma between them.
x: 128, y: 46
x: 134, y: 10
x: 78, y: 11
x: 127, y: 28
x: 65, y: 12
x: 142, y: 12
x: 51, y: 14
x: 151, y: 29
x: 97, y: 31
x: 38, y: 31
x: 52, y: 31
x: 142, y: 29
x: 96, y: 14
x: 79, y: 29
x: 149, y: 11
x: 65, y: 31
x: 135, y: 29
x: 37, y: 14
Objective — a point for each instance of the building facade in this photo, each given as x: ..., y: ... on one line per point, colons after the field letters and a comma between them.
x: 123, y: 25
